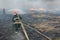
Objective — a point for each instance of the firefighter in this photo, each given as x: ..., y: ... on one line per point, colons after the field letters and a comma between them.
x: 16, y: 21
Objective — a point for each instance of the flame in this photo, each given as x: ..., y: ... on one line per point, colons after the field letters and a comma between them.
x: 42, y: 9
x: 32, y: 8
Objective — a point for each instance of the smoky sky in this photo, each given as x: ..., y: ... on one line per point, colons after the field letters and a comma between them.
x: 26, y: 4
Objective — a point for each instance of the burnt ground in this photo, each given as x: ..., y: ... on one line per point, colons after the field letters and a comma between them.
x: 7, y: 31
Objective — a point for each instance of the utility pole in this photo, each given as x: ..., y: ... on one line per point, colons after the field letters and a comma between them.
x: 4, y: 12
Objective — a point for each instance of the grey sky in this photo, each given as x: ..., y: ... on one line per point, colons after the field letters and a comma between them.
x: 25, y: 4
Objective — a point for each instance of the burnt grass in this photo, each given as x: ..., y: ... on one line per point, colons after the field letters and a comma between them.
x: 6, y: 29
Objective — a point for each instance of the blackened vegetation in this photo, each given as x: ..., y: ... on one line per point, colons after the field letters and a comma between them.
x: 6, y: 27
x: 33, y: 35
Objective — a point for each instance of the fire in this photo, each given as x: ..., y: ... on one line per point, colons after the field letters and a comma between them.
x: 42, y: 9
x: 32, y: 8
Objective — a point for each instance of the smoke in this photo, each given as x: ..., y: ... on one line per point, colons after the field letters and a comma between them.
x: 18, y: 11
x: 27, y: 4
